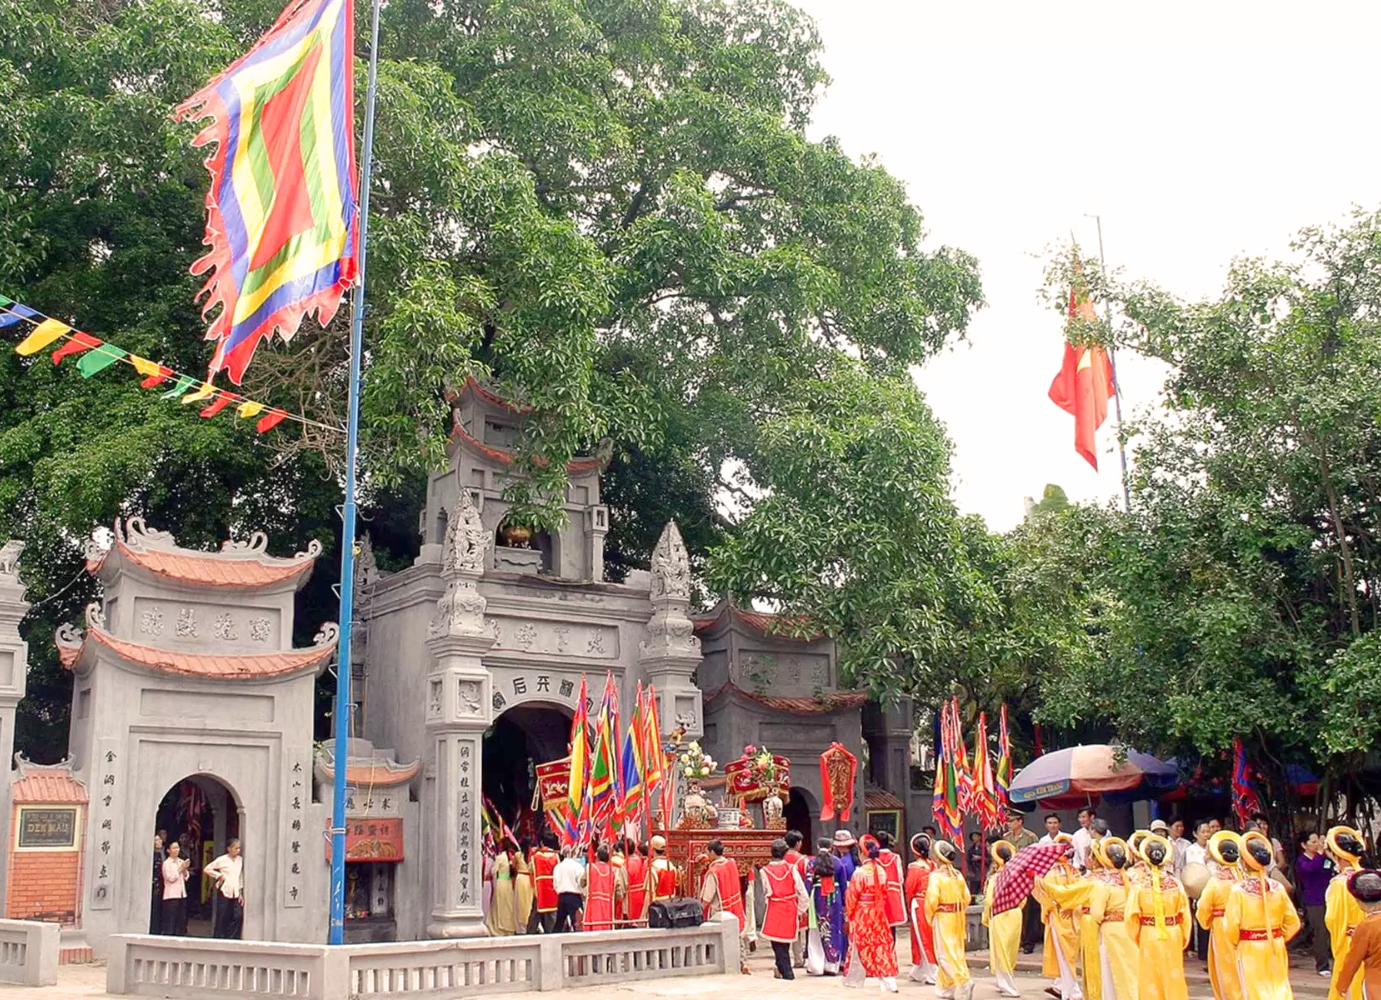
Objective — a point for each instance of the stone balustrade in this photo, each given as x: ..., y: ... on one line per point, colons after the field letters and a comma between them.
x: 202, y: 969
x: 976, y: 935
x: 28, y: 952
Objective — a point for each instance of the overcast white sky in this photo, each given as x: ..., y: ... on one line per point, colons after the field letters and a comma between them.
x: 1198, y: 131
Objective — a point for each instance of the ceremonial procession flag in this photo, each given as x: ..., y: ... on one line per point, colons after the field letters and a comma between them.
x: 984, y: 797
x: 603, y: 763
x: 580, y: 765
x: 961, y: 763
x: 282, y: 220
x: 946, y: 808
x: 1245, y: 801
x: 1085, y: 382
x: 631, y: 766
x: 1002, y: 780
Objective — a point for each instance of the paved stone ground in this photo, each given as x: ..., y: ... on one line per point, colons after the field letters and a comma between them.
x: 79, y: 982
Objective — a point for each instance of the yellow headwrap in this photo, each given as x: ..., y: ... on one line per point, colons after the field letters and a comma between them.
x: 1157, y: 899
x: 1249, y: 861
x: 1346, y: 856
x: 1215, y: 848
x: 998, y: 859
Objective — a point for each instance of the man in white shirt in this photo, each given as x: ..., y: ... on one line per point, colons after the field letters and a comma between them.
x: 1052, y: 829
x: 1083, y: 837
x: 1180, y: 844
x: 568, y: 879
x: 229, y: 874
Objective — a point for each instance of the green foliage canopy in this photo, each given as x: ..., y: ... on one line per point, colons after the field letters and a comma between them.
x: 608, y: 208
x: 1245, y: 578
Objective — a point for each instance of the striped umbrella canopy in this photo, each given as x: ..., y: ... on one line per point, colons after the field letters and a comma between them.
x: 1084, y: 773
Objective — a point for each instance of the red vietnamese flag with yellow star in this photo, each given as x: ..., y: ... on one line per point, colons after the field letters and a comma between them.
x: 1085, y: 382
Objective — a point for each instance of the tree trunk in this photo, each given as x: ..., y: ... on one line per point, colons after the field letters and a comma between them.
x: 1345, y: 547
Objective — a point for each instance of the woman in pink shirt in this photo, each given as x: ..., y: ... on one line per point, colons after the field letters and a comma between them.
x: 174, y: 892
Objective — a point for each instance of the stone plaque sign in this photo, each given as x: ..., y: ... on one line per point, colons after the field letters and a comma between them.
x: 47, y: 828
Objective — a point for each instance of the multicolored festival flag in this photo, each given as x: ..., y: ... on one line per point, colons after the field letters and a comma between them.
x: 282, y: 214
x: 601, y: 790
x: 580, y: 765
x: 632, y: 767
x: 960, y: 756
x: 1085, y: 382
x: 1002, y: 779
x: 945, y: 803
x: 984, y: 797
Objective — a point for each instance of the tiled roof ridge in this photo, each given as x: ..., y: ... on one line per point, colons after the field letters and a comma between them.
x: 71, y: 646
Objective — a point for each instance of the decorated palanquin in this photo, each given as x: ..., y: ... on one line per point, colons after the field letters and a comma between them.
x: 743, y: 787
x: 688, y: 850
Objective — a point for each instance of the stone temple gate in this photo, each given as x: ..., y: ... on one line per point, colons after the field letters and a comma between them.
x: 192, y: 711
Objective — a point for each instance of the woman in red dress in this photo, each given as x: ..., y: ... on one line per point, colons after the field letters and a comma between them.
x: 870, y: 932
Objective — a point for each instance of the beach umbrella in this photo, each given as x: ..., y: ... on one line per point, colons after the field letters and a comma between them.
x: 1078, y: 775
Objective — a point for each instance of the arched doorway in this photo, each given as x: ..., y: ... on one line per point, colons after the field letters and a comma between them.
x: 799, y: 814
x: 522, y: 737
x: 201, y: 815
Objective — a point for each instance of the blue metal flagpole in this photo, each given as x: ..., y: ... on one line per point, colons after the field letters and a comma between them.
x: 347, y: 555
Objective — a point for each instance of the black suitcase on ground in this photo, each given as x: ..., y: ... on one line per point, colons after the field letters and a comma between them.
x: 675, y: 913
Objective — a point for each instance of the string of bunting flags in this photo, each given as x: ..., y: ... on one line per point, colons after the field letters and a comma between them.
x: 95, y: 355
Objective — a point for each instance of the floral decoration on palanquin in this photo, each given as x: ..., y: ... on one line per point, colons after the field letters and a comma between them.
x: 694, y: 762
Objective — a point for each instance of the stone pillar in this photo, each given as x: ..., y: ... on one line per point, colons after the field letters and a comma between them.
x: 596, y: 527
x: 14, y: 671
x: 458, y: 712
x: 672, y: 652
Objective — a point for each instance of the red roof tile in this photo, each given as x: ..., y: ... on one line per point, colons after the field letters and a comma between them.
x: 834, y: 701
x: 473, y: 384
x: 215, y: 665
x: 777, y: 626
x: 385, y: 774
x: 879, y: 798
x: 505, y: 458
x: 43, y: 785
x: 214, y: 568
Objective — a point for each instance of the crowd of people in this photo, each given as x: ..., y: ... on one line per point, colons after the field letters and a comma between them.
x: 1116, y: 918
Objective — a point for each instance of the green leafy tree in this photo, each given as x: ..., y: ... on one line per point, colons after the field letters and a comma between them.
x: 606, y: 207
x: 1246, y: 574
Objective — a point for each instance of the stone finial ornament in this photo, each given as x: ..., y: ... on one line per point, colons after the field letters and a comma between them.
x: 460, y: 610
x: 671, y: 566
x: 670, y: 632
x: 9, y: 558
x: 466, y: 539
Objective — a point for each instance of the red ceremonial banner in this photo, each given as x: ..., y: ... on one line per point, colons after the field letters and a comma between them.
x: 554, y: 784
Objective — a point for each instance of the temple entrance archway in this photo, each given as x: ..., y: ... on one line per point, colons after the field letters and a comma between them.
x: 799, y: 814
x: 202, y: 815
x: 523, y: 736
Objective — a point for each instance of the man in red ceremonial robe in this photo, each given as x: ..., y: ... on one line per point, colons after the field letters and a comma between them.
x: 786, y: 901
x: 601, y: 890
x: 661, y: 874
x: 722, y: 892
x: 797, y: 860
x: 544, y: 862
x: 892, y: 864
x: 923, y: 966
x: 635, y: 866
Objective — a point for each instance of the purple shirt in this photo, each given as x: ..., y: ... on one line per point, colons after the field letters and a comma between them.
x: 1313, y: 878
